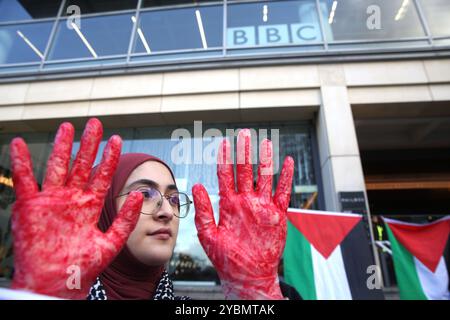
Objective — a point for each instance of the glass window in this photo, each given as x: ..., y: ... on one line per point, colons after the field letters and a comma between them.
x: 6, y: 200
x: 97, y: 6
x: 24, y: 42
x: 370, y: 19
x: 437, y: 13
x: 179, y: 29
x: 94, y: 37
x: 14, y: 10
x: 272, y: 23
x: 40, y: 147
x: 295, y: 141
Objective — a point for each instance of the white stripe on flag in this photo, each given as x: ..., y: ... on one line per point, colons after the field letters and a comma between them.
x: 329, y: 276
x: 434, y: 285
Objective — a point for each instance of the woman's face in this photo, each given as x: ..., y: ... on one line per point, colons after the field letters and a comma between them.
x: 153, y: 240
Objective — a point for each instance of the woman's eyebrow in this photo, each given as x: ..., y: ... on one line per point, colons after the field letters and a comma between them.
x: 146, y: 182
x: 171, y: 187
x: 151, y: 183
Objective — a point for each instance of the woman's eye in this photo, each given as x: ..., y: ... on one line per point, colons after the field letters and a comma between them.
x: 174, y: 200
x: 148, y: 193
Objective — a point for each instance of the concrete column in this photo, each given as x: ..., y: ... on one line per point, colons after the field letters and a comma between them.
x: 340, y: 162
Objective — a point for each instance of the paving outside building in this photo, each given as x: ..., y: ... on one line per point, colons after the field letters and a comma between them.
x: 357, y: 91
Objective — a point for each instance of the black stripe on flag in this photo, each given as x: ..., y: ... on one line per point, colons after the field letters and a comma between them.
x: 447, y: 259
x: 357, y: 256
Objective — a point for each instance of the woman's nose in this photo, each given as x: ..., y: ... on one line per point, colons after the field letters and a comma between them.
x: 165, y: 212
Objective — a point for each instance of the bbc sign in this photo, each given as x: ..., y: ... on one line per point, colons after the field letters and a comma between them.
x: 270, y: 35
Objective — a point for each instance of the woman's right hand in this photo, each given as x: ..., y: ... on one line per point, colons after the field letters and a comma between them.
x: 58, y: 248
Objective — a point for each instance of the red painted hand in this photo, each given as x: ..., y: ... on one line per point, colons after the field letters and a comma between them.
x: 247, y: 244
x: 58, y: 249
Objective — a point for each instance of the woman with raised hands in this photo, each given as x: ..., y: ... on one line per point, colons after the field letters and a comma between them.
x: 113, y: 228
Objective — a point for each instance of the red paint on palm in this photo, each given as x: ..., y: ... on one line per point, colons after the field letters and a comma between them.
x: 58, y: 249
x: 247, y: 243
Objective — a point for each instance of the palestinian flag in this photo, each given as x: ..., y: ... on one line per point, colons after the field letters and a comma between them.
x: 327, y: 256
x: 420, y: 254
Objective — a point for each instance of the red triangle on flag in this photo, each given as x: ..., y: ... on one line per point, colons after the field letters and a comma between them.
x: 324, y: 231
x: 425, y: 242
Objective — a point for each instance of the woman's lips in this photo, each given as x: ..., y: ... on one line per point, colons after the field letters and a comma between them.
x: 162, y: 234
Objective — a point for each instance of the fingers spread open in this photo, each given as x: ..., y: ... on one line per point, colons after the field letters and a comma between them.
x: 58, y: 163
x: 283, y: 194
x: 123, y: 225
x: 204, y: 217
x: 225, y: 172
x: 22, y: 169
x: 102, y: 178
x: 265, y: 169
x: 82, y: 165
x: 244, y: 168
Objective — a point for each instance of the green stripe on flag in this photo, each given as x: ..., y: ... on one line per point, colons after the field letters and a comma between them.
x: 405, y: 270
x: 298, y: 265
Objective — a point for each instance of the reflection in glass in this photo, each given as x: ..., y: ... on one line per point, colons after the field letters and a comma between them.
x: 437, y: 13
x: 98, y: 6
x: 14, y: 10
x: 39, y: 146
x: 297, y: 144
x: 24, y: 42
x: 6, y: 200
x: 370, y: 19
x: 179, y: 29
x: 94, y: 37
x: 272, y: 23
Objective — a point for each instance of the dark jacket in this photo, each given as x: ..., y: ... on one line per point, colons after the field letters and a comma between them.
x: 289, y: 292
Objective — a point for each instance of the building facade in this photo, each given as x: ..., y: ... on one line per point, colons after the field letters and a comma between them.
x: 357, y: 91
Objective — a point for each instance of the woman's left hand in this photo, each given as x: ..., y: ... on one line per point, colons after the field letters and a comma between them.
x: 247, y: 244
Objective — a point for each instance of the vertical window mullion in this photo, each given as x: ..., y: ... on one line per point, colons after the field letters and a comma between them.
x: 225, y: 26
x: 423, y: 21
x: 52, y: 34
x: 322, y: 28
x: 133, y: 31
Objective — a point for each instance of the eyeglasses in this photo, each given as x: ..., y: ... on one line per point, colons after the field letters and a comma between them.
x: 153, y: 200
